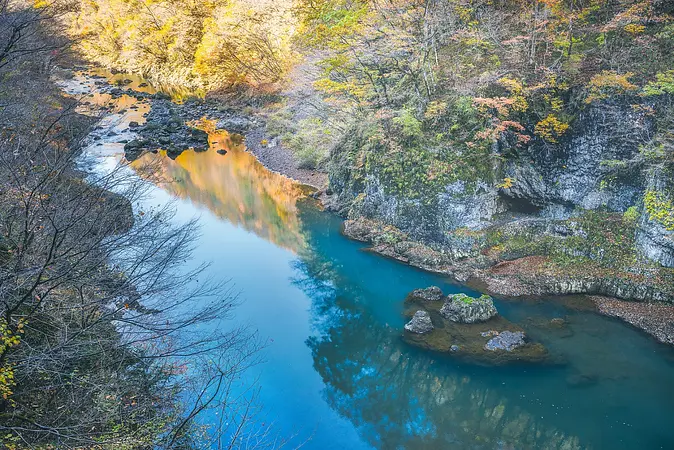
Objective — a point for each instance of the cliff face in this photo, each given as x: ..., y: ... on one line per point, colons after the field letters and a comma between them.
x: 653, y: 238
x: 600, y: 166
x: 579, y: 202
x: 596, y: 166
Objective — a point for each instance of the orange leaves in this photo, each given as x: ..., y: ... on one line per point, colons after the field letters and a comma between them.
x: 501, y: 105
x: 501, y: 109
x: 499, y: 127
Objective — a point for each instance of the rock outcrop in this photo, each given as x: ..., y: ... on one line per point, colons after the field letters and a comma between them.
x: 429, y: 294
x: 420, y: 323
x: 654, y: 240
x: 464, y: 309
x: 475, y: 342
x: 165, y: 129
x: 468, y: 225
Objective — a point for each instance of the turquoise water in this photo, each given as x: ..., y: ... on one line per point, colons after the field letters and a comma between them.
x: 335, y: 372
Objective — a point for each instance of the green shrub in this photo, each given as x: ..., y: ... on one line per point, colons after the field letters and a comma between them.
x: 310, y: 143
x: 660, y: 208
x: 664, y: 84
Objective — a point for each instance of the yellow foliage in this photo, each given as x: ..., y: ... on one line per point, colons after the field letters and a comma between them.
x: 246, y: 42
x: 350, y: 88
x: 435, y: 109
x: 506, y: 184
x: 551, y: 129
x: 512, y: 85
x: 634, y: 29
x: 556, y: 103
x: 609, y: 83
x: 193, y: 44
x: 660, y: 209
x: 8, y: 339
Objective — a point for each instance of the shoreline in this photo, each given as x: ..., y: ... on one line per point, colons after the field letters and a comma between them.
x: 278, y: 159
x: 655, y: 318
x: 507, y: 279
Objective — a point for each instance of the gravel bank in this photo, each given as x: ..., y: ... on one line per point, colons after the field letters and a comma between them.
x: 657, y: 319
x: 281, y: 160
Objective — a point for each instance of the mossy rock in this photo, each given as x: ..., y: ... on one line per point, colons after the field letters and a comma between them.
x: 465, y: 309
x: 467, y: 341
x: 429, y: 294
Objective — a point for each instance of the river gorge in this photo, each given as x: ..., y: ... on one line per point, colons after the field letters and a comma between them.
x: 335, y: 372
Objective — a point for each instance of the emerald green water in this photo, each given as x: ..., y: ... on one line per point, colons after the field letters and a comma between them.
x: 336, y: 374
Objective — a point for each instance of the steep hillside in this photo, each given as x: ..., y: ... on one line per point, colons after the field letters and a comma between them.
x: 484, y: 131
x: 494, y: 131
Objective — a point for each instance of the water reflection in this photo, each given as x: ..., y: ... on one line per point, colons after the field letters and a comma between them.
x: 235, y: 187
x: 401, y: 397
x: 140, y: 84
x: 394, y: 395
x: 398, y: 397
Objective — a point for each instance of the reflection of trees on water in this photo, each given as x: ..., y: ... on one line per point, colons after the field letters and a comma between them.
x: 396, y: 396
x: 237, y: 188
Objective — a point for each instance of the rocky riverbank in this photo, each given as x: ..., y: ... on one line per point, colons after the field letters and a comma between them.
x: 173, y: 126
x: 644, y: 304
x: 657, y: 319
x: 281, y: 160
x: 176, y: 127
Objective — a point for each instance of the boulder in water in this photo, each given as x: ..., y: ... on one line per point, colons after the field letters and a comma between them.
x: 485, y: 338
x: 420, y: 323
x: 430, y: 294
x: 464, y: 309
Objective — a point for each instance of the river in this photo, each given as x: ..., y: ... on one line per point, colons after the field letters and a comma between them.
x: 336, y: 374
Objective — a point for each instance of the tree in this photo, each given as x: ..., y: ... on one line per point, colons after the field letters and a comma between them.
x: 98, y: 346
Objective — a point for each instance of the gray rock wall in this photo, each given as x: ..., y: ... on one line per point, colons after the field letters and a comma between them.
x: 653, y: 239
x: 597, y: 165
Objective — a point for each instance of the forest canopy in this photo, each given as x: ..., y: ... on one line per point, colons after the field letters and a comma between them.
x: 191, y: 43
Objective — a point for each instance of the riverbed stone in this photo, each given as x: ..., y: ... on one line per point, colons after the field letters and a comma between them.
x: 465, y: 309
x: 469, y: 341
x: 506, y: 341
x: 234, y: 124
x: 420, y: 323
x: 167, y: 128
